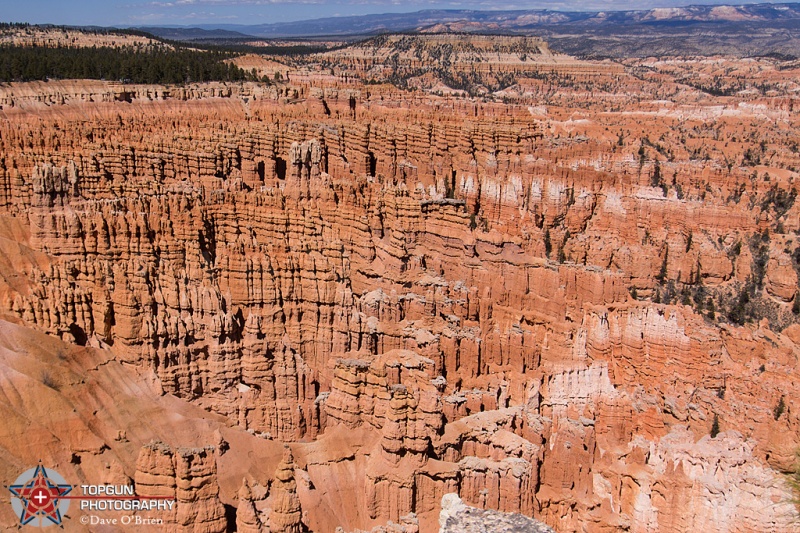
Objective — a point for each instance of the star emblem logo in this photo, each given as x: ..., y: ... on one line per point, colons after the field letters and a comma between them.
x: 37, y: 497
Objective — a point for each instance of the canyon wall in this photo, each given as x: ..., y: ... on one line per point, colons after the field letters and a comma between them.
x: 422, y: 296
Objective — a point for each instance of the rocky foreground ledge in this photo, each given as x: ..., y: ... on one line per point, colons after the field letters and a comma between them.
x: 456, y: 517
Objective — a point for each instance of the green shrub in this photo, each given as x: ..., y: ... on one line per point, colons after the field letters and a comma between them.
x: 779, y: 409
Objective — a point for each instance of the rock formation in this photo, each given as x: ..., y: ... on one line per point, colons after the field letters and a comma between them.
x: 285, y: 514
x: 247, y: 517
x: 189, y: 476
x: 541, y: 305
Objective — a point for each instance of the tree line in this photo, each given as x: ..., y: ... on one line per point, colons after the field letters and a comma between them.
x: 135, y: 64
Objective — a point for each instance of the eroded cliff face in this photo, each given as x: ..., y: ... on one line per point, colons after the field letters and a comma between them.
x: 423, y: 298
x: 453, y: 63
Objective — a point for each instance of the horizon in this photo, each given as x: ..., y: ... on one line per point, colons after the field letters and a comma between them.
x: 195, y: 13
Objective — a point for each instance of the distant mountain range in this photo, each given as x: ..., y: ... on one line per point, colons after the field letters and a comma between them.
x: 518, y: 21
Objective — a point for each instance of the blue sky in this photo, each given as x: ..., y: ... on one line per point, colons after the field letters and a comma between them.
x: 191, y: 12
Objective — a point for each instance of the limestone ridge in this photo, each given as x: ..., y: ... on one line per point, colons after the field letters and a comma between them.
x: 451, y: 61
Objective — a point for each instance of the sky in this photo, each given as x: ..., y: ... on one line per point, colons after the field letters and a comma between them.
x: 192, y: 12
